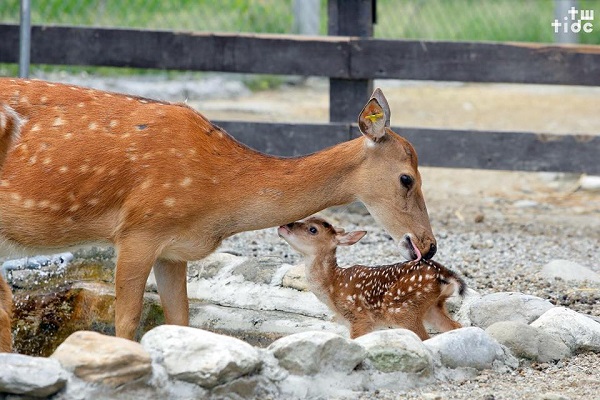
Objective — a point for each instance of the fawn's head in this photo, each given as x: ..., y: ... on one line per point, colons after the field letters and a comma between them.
x: 390, y: 183
x: 314, y: 236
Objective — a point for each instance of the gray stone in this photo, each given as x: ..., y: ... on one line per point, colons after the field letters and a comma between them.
x: 309, y: 353
x: 200, y: 357
x: 469, y: 348
x: 210, y: 266
x: 258, y: 270
x: 577, y: 331
x: 103, y: 359
x: 506, y: 306
x: 295, y: 278
x: 396, y: 350
x: 455, y: 303
x: 31, y: 376
x: 525, y: 341
x: 254, y: 387
x: 568, y: 271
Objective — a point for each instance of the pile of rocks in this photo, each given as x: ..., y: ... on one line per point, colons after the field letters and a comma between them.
x: 182, y: 362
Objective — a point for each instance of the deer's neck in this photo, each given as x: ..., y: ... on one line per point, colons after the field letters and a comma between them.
x: 271, y: 191
x: 320, y: 273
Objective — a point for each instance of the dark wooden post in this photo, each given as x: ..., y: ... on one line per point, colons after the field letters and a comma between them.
x: 349, y: 18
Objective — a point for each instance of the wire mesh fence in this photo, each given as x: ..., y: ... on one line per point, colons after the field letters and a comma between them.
x: 471, y: 20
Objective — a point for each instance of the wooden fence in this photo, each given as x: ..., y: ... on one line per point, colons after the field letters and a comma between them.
x: 351, y: 62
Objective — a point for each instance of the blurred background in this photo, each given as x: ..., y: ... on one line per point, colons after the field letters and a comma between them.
x: 469, y: 20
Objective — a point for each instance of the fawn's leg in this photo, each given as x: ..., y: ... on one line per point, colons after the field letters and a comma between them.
x: 410, y: 318
x: 359, y: 327
x: 171, y: 279
x: 134, y: 262
x: 437, y: 315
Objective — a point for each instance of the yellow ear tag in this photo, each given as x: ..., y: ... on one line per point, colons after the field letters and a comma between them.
x: 374, y: 117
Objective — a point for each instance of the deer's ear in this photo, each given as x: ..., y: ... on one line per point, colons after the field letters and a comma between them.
x: 348, y: 239
x: 375, y: 117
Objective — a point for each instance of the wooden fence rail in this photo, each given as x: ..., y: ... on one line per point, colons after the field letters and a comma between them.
x: 349, y: 58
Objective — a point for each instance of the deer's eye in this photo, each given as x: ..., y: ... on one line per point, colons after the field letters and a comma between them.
x: 406, y: 180
x: 313, y: 230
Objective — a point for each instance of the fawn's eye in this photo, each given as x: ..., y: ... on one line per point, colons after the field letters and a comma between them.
x: 406, y: 180
x: 313, y: 230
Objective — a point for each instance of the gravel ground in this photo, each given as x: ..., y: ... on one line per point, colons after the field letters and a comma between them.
x: 498, y: 242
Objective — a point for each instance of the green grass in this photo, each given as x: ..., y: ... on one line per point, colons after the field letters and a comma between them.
x: 272, y: 16
x: 476, y: 20
x: 469, y: 20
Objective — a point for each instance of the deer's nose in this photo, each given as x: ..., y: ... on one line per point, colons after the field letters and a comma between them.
x: 431, y: 252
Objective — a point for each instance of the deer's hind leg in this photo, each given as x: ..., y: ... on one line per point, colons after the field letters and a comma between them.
x: 437, y: 316
x: 359, y: 328
x: 409, y: 317
x: 5, y: 332
x: 171, y: 279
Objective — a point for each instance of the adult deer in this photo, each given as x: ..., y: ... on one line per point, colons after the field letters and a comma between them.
x: 401, y: 295
x: 165, y: 186
x: 5, y: 317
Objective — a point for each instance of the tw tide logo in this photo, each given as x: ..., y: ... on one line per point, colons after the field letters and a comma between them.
x: 576, y: 21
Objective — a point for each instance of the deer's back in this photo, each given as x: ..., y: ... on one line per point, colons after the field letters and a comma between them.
x: 86, y: 160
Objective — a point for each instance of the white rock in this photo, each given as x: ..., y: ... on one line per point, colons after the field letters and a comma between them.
x: 396, y: 350
x: 590, y: 183
x: 506, y: 306
x: 313, y: 352
x: 568, y: 271
x: 31, y: 376
x: 525, y: 203
x: 103, y: 359
x: 295, y: 278
x: 577, y: 331
x: 462, y: 315
x: 469, y: 348
x: 526, y: 341
x: 200, y: 357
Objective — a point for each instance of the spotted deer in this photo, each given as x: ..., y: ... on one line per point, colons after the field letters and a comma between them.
x: 400, y: 295
x: 5, y: 317
x: 165, y: 186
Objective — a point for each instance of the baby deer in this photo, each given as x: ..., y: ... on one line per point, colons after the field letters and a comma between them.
x: 5, y: 317
x: 400, y: 295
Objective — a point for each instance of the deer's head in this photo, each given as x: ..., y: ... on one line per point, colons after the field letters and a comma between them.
x: 390, y: 183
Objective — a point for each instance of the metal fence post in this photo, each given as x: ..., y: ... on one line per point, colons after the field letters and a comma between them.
x: 349, y: 18
x: 561, y: 10
x: 307, y: 17
x: 25, y: 39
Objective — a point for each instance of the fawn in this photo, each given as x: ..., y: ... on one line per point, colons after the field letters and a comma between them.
x: 5, y: 317
x: 165, y: 186
x: 400, y: 295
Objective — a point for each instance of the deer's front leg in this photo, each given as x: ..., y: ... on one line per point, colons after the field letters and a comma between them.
x: 171, y: 279
x: 134, y: 262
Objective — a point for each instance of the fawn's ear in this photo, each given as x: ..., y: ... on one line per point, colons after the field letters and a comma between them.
x: 350, y: 238
x: 375, y: 117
